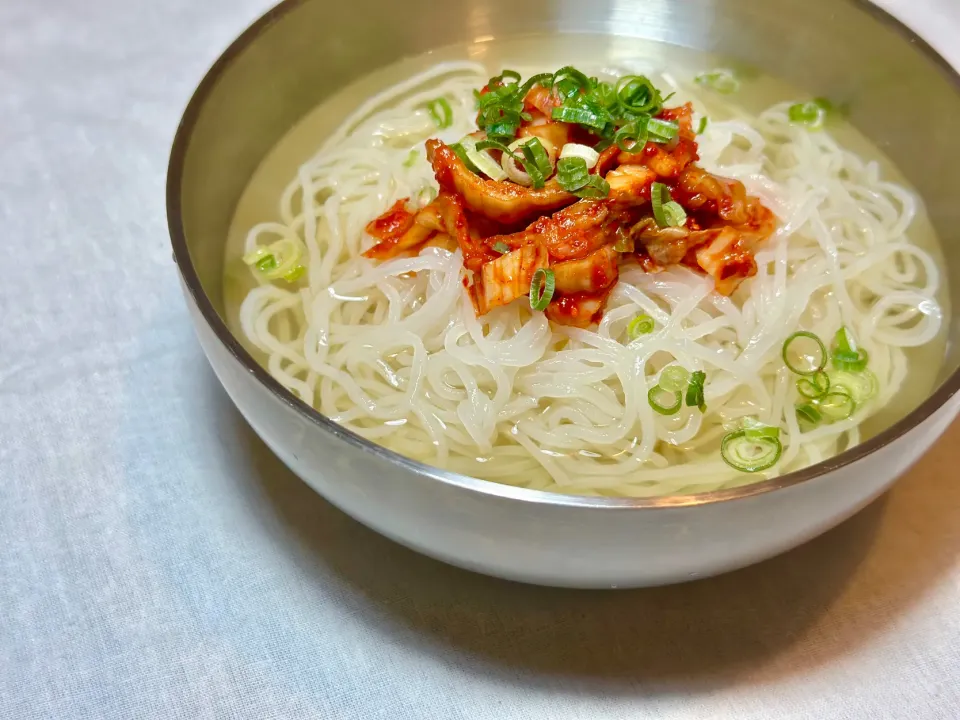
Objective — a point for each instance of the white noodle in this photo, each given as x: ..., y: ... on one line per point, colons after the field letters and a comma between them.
x: 394, y: 351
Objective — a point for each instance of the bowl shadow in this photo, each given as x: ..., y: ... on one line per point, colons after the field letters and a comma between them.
x: 782, y: 616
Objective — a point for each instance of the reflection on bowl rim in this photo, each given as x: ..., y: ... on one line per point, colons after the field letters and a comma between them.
x: 182, y: 257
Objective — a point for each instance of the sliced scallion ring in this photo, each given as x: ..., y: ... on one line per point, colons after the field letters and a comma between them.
x: 659, y: 196
x: 674, y: 378
x: 441, y: 112
x: 861, y: 386
x: 596, y: 187
x: 640, y: 325
x: 702, y: 127
x: 542, y: 287
x: 584, y: 152
x: 750, y: 454
x: 837, y: 405
x: 695, y: 396
x: 804, y: 346
x: 572, y: 173
x: 814, y: 386
x: 663, y: 401
x: 812, y: 113
x: 846, y: 354
x: 480, y: 159
x: 808, y: 413
x: 636, y: 94
x: 277, y: 261
x: 753, y: 429
x: 662, y: 130
x: 721, y: 80
x: 501, y: 247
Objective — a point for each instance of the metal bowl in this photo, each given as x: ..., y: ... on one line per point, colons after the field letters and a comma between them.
x: 905, y: 100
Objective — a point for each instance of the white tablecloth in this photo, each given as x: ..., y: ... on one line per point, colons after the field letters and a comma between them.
x: 157, y: 562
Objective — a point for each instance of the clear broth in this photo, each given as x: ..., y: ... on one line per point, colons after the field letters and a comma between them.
x: 259, y: 201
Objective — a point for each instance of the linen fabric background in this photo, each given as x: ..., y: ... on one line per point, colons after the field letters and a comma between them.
x: 157, y: 562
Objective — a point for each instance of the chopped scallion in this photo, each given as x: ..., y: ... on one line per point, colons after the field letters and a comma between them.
x: 695, y: 396
x: 846, y: 355
x: 674, y: 378
x: 636, y: 94
x: 804, y: 347
x: 441, y: 112
x: 277, y: 261
x: 666, y: 212
x: 702, y: 127
x: 808, y: 413
x: 501, y: 247
x: 721, y: 80
x: 662, y: 130
x: 750, y: 454
x: 812, y: 113
x: 579, y: 116
x: 640, y: 325
x: 814, y: 386
x: 584, y: 152
x: 861, y: 386
x: 542, y: 287
x: 663, y: 401
x: 596, y: 187
x: 837, y: 405
x: 572, y: 173
x: 753, y: 429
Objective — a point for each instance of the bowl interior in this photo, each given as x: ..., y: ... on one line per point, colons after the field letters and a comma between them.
x: 901, y: 95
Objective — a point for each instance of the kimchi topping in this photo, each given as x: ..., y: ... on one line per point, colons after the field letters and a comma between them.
x: 567, y: 179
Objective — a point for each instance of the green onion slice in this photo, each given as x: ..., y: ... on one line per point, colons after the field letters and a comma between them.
x: 702, y: 127
x: 674, y: 214
x: 812, y: 113
x: 663, y: 401
x: 640, y: 325
x: 632, y: 135
x: 596, y: 187
x: 667, y: 212
x: 846, y: 355
x: 837, y: 405
x: 750, y: 454
x: 808, y: 413
x: 411, y: 159
x: 579, y: 116
x: 530, y: 167
x: 695, y: 391
x: 662, y: 130
x: 542, y: 287
x: 815, y: 386
x: 674, y: 378
x: 572, y: 173
x: 861, y: 386
x: 573, y: 77
x: 501, y: 247
x: 753, y: 429
x: 536, y: 154
x: 498, y: 80
x: 804, y: 347
x: 461, y: 153
x: 441, y: 112
x: 636, y: 94
x: 277, y: 261
x: 721, y: 80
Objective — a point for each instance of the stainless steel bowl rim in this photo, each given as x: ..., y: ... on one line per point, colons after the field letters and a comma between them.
x: 190, y: 277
